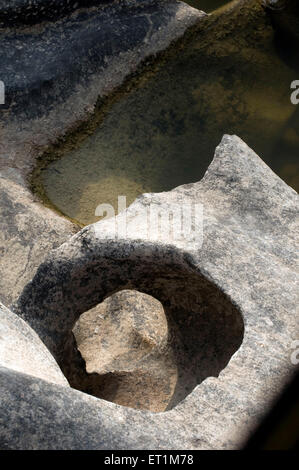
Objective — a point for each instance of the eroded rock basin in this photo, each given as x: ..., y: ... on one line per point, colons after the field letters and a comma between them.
x: 243, y: 272
x: 191, y: 354
x: 145, y: 353
x: 146, y: 356
x: 235, y: 78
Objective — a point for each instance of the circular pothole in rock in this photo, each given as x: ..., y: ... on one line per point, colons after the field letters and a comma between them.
x: 132, y: 350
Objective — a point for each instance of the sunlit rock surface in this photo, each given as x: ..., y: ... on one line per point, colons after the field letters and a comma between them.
x: 228, y: 292
x: 231, y: 292
x: 21, y: 350
x: 125, y: 340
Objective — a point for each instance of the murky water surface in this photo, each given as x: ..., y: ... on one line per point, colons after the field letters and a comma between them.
x: 233, y: 79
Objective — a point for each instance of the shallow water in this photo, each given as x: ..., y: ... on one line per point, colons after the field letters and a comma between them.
x: 232, y: 80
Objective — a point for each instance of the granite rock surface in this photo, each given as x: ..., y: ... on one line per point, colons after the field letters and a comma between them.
x: 27, y: 231
x: 231, y: 290
x: 124, y: 340
x: 226, y: 291
x: 21, y: 350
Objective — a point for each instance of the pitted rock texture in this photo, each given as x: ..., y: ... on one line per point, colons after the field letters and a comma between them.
x: 244, y: 266
x: 21, y: 350
x: 128, y: 323
x: 27, y: 232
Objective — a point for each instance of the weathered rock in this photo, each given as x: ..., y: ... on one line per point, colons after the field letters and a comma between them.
x: 127, y: 335
x: 128, y: 323
x: 245, y: 270
x: 27, y: 232
x: 21, y: 350
x: 230, y: 302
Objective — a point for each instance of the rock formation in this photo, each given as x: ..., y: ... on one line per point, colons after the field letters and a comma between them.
x: 217, y: 305
x: 231, y: 294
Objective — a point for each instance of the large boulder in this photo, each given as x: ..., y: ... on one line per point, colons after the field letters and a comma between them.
x: 124, y: 342
x: 230, y: 289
